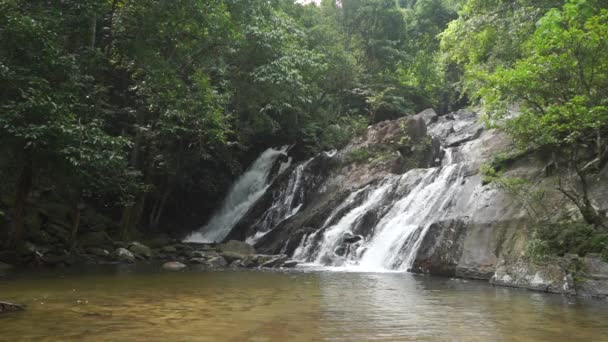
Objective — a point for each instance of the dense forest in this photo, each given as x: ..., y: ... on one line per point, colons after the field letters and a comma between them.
x: 144, y: 112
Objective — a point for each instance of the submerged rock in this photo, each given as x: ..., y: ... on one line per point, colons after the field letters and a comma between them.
x: 174, y: 266
x: 10, y: 307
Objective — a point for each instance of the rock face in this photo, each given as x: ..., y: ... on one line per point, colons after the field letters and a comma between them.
x: 408, y: 195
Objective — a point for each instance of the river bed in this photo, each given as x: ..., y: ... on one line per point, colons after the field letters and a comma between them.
x: 135, y: 303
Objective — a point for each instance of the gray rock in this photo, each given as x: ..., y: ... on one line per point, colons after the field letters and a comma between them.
x: 276, y: 261
x: 290, y: 264
x: 95, y: 239
x: 593, y: 280
x: 174, y: 266
x: 238, y: 247
x: 232, y: 256
x: 168, y: 249
x: 140, y: 250
x: 546, y: 276
x: 99, y: 252
x: 124, y: 255
x: 217, y: 262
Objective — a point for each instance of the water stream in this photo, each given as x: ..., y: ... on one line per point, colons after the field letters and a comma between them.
x: 241, y: 197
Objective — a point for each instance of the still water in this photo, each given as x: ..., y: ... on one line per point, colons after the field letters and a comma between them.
x: 147, y: 304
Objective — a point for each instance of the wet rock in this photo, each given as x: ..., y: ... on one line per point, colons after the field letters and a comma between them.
x: 95, y: 239
x: 217, y: 262
x: 237, y: 247
x: 593, y: 277
x: 232, y: 256
x: 276, y: 261
x: 441, y: 248
x: 10, y: 307
x: 55, y: 259
x: 174, y: 266
x: 459, y: 138
x: 547, y: 276
x: 168, y: 249
x: 98, y: 252
x: 124, y: 255
x: 290, y: 264
x: 140, y: 250
x: 351, y: 238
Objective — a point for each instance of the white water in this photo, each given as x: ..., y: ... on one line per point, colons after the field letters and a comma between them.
x: 241, y: 197
x: 394, y: 240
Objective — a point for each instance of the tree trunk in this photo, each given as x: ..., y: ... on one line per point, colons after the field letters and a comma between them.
x: 77, y: 210
x: 108, y: 49
x: 24, y: 186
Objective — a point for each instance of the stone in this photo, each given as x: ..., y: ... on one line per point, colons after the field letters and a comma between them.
x: 10, y: 307
x: 547, y: 276
x: 290, y: 264
x: 140, y: 250
x: 124, y: 255
x: 99, y: 252
x: 95, y: 239
x: 276, y: 261
x: 238, y: 247
x: 168, y: 249
x: 593, y: 279
x: 174, y: 266
x: 217, y: 262
x: 232, y: 256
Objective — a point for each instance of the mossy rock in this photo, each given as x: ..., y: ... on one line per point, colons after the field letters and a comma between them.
x: 95, y: 239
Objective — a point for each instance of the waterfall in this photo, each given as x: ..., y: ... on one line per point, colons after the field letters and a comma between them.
x: 248, y: 188
x: 413, y: 200
x: 287, y: 203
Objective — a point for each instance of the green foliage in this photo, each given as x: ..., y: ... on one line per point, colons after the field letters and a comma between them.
x: 358, y: 156
x: 568, y: 237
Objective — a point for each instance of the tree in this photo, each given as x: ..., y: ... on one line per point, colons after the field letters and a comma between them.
x: 561, y: 83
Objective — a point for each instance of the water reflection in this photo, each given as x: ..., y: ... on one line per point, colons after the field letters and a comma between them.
x: 146, y: 304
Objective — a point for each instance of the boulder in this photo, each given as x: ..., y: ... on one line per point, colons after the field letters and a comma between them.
x: 124, y: 255
x: 98, y: 252
x: 218, y: 261
x: 168, y: 249
x: 95, y: 239
x: 238, y: 247
x: 140, y: 250
x: 232, y: 256
x: 174, y: 266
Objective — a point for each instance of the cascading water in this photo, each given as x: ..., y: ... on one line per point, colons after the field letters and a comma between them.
x: 287, y: 204
x: 241, y: 197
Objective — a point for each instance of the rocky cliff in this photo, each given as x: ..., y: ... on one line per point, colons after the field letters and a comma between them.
x: 409, y: 195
